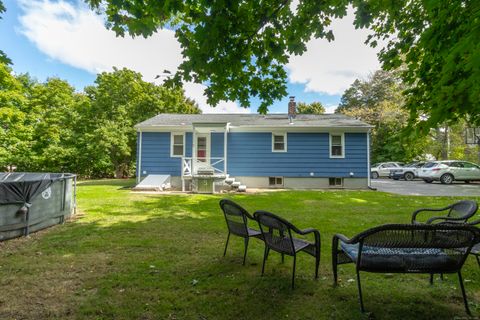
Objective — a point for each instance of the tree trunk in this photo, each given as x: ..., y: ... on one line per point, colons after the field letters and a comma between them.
x: 445, y: 138
x: 119, y: 171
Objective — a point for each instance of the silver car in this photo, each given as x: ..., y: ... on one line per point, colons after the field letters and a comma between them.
x: 383, y: 169
x: 448, y: 171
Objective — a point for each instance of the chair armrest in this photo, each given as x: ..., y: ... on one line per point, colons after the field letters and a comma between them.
x: 416, y: 212
x: 249, y: 216
x: 474, y: 223
x: 308, y: 231
x: 343, y: 238
x: 445, y: 219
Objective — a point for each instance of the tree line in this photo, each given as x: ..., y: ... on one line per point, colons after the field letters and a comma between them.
x: 380, y: 101
x: 49, y: 127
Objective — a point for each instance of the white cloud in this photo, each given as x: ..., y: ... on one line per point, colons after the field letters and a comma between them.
x: 330, y: 108
x: 330, y: 67
x: 75, y: 35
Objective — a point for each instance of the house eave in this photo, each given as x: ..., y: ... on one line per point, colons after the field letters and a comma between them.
x: 285, y: 128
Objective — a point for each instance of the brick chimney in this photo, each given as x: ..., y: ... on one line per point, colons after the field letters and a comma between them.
x: 292, y: 109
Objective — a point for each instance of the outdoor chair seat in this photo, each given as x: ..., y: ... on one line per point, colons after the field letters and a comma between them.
x: 407, y: 248
x: 401, y: 260
x: 277, y: 235
x: 254, y: 233
x: 284, y: 244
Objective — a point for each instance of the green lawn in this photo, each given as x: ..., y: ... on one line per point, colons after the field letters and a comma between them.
x: 143, y: 256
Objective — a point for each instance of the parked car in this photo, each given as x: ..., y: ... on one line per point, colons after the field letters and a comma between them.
x: 407, y: 172
x: 383, y: 169
x: 448, y: 171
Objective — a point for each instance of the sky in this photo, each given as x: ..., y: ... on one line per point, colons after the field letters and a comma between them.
x: 66, y: 39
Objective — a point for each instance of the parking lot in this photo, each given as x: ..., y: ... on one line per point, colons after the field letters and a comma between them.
x: 420, y: 188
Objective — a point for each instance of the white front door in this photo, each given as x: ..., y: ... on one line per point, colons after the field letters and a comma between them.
x: 202, y: 148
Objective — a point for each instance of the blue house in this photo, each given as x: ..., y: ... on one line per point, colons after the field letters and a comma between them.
x: 198, y: 151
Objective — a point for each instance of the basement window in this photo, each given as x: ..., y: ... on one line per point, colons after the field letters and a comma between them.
x: 335, y: 182
x: 275, y: 182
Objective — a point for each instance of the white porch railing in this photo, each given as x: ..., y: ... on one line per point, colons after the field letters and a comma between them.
x: 190, y: 166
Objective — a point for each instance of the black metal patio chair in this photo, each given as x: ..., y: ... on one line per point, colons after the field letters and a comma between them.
x: 237, y: 224
x: 457, y: 212
x: 476, y: 248
x: 277, y: 234
x: 407, y: 248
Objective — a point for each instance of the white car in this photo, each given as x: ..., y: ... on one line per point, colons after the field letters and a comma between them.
x: 383, y: 169
x: 448, y: 171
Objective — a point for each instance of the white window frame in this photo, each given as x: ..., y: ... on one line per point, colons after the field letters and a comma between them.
x: 342, y: 135
x: 172, y: 140
x: 284, y: 134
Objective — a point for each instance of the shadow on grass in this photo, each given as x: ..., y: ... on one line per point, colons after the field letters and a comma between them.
x: 164, y: 267
x: 160, y: 257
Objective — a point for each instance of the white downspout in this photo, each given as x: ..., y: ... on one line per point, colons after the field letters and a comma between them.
x: 369, y: 181
x: 139, y: 158
x: 225, y: 146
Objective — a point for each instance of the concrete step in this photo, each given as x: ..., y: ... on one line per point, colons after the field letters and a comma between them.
x: 236, y: 184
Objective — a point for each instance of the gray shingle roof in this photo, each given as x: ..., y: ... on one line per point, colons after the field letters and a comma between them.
x: 254, y: 120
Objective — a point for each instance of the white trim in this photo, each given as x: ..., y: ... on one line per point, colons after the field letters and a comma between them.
x: 342, y: 135
x: 172, y: 140
x: 207, y: 145
x: 369, y: 181
x: 139, y: 156
x: 353, y: 129
x: 285, y: 147
x: 225, y: 147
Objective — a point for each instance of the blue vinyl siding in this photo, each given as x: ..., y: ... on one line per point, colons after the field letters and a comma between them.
x: 188, y: 144
x: 137, y: 168
x: 216, y: 148
x: 156, y: 154
x: 250, y: 154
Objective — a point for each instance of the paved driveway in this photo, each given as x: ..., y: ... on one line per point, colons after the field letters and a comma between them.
x: 420, y: 188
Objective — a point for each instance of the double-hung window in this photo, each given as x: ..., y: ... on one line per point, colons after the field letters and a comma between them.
x: 178, y: 144
x: 279, y: 142
x: 337, y: 145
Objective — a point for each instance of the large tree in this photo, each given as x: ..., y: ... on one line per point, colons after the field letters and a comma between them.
x: 239, y: 48
x: 15, y: 134
x: 119, y: 100
x: 378, y: 101
x: 3, y: 57
x: 310, y: 108
x: 53, y: 117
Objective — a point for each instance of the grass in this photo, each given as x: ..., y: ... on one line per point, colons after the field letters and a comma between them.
x: 140, y: 256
